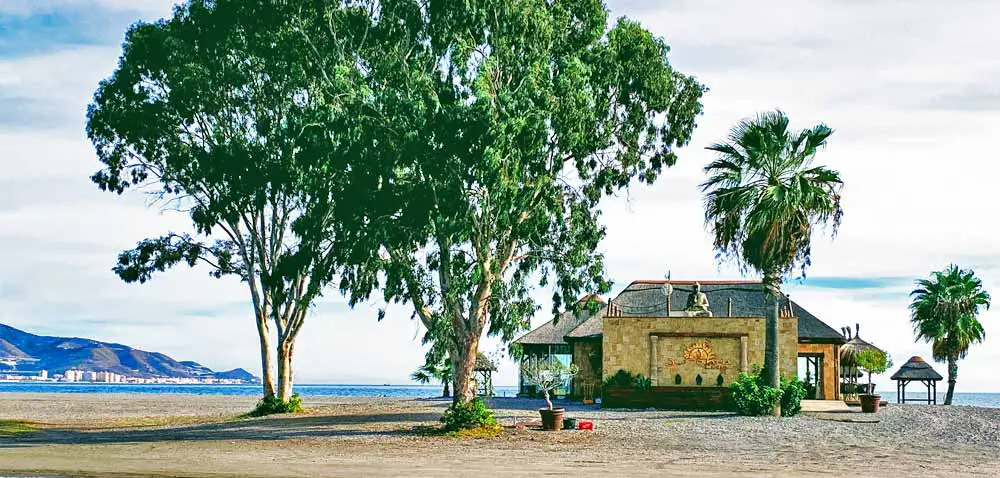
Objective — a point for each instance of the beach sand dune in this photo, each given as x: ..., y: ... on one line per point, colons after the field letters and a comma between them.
x: 187, y: 435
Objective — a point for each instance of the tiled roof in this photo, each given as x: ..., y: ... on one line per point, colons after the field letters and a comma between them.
x: 593, y: 327
x: 726, y: 299
x: 551, y: 333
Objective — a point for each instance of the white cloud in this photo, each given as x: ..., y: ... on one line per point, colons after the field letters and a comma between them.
x: 151, y: 8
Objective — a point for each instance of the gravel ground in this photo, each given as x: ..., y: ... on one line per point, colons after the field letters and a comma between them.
x: 183, y: 435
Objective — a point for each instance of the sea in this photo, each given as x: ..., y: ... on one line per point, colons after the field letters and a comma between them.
x: 306, y: 390
x: 991, y: 400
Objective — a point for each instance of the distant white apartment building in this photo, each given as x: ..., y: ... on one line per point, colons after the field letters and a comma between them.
x: 108, y: 377
x: 73, y: 375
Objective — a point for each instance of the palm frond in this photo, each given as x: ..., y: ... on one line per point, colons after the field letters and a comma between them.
x: 763, y: 198
x: 944, y: 311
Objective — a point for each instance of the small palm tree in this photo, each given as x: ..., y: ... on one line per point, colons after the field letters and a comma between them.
x: 440, y: 372
x: 763, y: 198
x: 943, y: 312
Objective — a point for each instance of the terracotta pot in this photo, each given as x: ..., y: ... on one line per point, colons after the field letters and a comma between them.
x: 870, y: 402
x: 552, y: 419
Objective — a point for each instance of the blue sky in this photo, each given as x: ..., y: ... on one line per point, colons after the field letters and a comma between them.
x: 911, y: 89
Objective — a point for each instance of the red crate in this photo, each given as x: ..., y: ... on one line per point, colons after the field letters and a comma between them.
x: 584, y: 425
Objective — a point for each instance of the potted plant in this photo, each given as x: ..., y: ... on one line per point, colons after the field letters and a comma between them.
x: 546, y: 374
x: 872, y: 361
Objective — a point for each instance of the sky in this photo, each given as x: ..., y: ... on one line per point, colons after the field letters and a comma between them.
x: 912, y: 90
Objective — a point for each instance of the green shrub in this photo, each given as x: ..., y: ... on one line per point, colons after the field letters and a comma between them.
x: 274, y: 405
x: 792, y: 393
x: 752, y: 397
x: 624, y: 378
x: 810, y: 389
x: 468, y: 416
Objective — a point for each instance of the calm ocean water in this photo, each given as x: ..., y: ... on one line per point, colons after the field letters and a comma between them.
x: 402, y: 391
x: 991, y: 400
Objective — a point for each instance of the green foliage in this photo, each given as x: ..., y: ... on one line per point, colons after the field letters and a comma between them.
x: 810, y: 389
x: 752, y: 397
x: 763, y: 197
x: 547, y: 374
x: 14, y: 428
x: 624, y: 378
x: 217, y: 113
x: 497, y: 127
x: 274, y: 405
x: 944, y: 311
x: 437, y: 366
x: 873, y: 361
x: 468, y: 416
x: 792, y: 393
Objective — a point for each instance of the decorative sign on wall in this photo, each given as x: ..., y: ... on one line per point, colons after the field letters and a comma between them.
x: 701, y: 353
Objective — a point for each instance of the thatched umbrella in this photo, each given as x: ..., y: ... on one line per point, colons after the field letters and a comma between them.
x: 849, y: 352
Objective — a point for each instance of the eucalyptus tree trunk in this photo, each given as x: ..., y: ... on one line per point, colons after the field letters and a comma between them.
x: 446, y: 392
x: 772, y: 368
x: 262, y: 311
x: 464, y: 365
x: 285, y: 350
x: 266, y: 360
x: 952, y: 378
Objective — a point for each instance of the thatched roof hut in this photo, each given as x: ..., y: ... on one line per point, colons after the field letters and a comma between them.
x: 916, y: 369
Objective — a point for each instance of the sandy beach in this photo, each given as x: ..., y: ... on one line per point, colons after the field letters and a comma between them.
x: 186, y: 435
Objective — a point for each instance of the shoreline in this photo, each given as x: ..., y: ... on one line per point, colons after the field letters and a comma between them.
x: 171, y: 435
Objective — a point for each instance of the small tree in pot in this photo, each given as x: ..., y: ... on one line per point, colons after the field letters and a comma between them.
x: 547, y: 374
x: 872, y: 361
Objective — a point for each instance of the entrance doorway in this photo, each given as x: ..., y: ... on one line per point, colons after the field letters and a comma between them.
x: 810, y: 367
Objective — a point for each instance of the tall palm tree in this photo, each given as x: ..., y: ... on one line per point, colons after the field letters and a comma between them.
x: 763, y: 197
x: 943, y: 312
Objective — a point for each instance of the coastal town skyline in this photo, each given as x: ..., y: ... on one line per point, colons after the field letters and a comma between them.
x: 906, y: 128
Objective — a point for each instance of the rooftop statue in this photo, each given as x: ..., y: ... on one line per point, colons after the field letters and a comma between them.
x: 697, y: 302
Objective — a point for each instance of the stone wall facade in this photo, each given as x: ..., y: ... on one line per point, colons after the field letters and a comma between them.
x: 665, y: 348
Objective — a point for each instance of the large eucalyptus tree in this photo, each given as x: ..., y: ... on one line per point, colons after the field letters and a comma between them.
x: 498, y: 127
x: 218, y: 114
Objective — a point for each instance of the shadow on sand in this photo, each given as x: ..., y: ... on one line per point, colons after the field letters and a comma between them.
x: 268, y: 428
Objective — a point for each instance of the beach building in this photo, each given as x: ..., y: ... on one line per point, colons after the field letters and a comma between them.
x: 690, y: 340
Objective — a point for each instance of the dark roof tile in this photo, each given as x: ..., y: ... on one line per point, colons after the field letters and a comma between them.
x: 551, y: 333
x: 725, y: 298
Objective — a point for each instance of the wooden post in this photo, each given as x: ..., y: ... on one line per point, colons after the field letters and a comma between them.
x: 836, y: 373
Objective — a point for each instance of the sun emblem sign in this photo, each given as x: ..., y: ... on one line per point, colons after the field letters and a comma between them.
x: 701, y: 353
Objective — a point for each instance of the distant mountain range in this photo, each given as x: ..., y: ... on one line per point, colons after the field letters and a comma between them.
x: 58, y: 354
